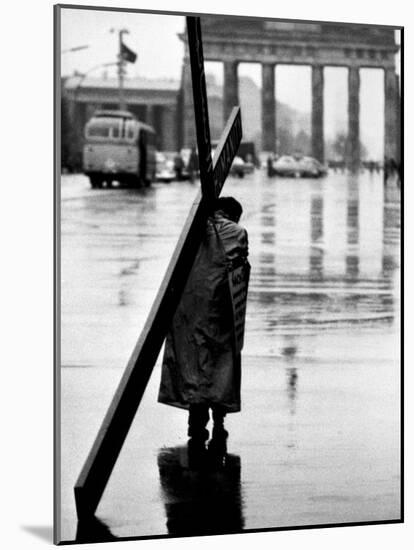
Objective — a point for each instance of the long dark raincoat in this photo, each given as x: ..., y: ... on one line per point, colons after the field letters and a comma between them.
x: 199, y: 365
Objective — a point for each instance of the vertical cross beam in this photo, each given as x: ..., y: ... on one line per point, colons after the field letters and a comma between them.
x: 201, y: 108
x: 102, y: 457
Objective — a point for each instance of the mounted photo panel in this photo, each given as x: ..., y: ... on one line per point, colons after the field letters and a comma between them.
x: 228, y: 268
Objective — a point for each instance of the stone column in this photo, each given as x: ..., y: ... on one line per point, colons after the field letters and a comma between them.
x: 189, y: 137
x: 179, y: 123
x: 152, y: 118
x: 391, y: 99
x: 398, y: 118
x: 230, y: 88
x: 353, y: 153
x: 169, y: 134
x: 78, y: 117
x: 268, y: 108
x: 317, y: 112
x: 149, y: 116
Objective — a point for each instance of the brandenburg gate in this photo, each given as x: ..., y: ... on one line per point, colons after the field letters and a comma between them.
x: 234, y: 40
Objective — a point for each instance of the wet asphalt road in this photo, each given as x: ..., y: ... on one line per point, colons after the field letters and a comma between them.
x: 317, y: 440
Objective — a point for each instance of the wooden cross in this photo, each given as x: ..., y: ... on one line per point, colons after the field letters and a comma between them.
x: 97, y: 469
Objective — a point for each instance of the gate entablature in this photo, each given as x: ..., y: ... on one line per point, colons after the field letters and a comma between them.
x: 233, y: 40
x: 298, y: 43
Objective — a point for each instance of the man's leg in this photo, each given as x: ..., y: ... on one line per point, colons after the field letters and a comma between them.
x: 218, y: 444
x: 218, y: 418
x: 197, y: 421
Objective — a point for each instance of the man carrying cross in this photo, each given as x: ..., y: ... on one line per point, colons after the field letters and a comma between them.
x: 201, y: 368
x: 223, y: 249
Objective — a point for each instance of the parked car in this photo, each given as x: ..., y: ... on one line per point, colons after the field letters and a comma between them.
x: 310, y: 167
x: 247, y: 151
x: 286, y: 166
x: 164, y: 168
x: 299, y: 167
x: 238, y: 167
x: 249, y: 166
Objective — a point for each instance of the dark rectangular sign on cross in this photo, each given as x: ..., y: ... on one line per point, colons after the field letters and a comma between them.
x: 97, y: 469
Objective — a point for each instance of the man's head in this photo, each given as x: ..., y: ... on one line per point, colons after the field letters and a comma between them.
x: 230, y: 206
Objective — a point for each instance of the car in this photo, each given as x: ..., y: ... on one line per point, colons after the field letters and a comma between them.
x: 249, y: 167
x: 286, y: 166
x: 186, y: 156
x: 237, y: 167
x: 164, y: 168
x: 310, y: 167
x: 299, y: 167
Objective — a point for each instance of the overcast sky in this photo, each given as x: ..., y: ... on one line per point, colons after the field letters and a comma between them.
x: 160, y: 53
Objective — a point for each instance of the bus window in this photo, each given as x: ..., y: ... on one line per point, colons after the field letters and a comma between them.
x: 98, y: 129
x: 130, y: 129
x: 103, y: 128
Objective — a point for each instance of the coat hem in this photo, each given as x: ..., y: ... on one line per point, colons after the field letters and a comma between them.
x: 186, y: 406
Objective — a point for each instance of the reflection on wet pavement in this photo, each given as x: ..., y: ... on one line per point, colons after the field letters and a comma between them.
x: 349, y: 275
x: 323, y: 254
x: 200, y: 501
x: 318, y: 435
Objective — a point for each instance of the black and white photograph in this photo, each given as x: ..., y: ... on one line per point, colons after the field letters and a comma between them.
x: 228, y: 268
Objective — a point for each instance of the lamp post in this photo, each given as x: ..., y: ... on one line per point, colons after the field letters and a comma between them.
x: 76, y: 48
x: 121, y: 68
x: 84, y: 75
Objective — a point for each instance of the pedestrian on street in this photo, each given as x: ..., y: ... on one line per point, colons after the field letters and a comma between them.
x: 193, y: 165
x: 178, y: 166
x: 269, y: 165
x: 201, y: 370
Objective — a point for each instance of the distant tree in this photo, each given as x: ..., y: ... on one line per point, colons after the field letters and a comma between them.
x: 363, y: 151
x: 339, y: 147
x: 285, y: 141
x: 302, y: 143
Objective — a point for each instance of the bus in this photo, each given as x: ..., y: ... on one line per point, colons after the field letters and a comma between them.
x: 118, y: 147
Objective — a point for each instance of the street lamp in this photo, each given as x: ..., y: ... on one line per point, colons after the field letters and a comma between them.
x: 76, y: 48
x: 121, y: 65
x: 84, y: 75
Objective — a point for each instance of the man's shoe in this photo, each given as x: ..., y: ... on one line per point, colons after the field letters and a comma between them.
x: 217, y: 447
x: 219, y: 433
